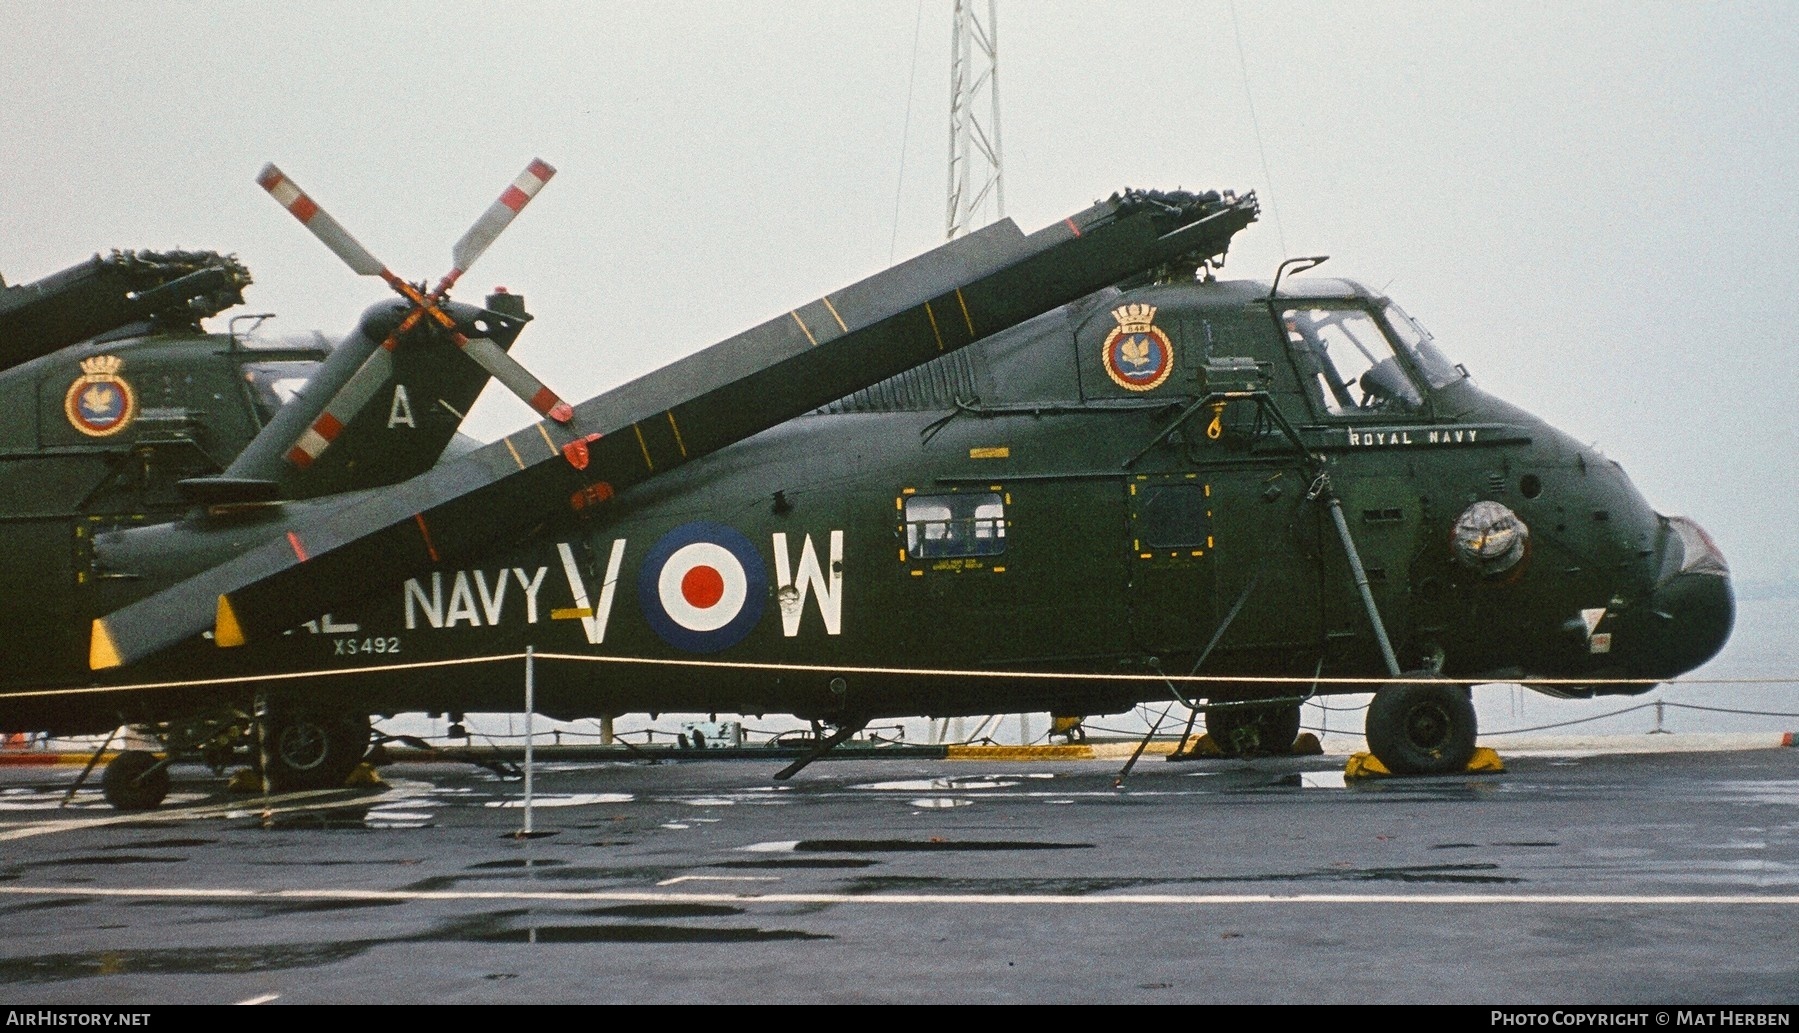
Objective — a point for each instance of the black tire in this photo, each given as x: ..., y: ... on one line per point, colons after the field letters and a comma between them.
x: 1422, y: 728
x: 129, y: 784
x: 1244, y: 730
x: 306, y: 749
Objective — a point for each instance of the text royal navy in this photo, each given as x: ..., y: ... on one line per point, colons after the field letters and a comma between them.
x: 1377, y: 438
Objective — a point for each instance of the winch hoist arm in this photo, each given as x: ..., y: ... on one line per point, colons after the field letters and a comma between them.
x: 961, y: 292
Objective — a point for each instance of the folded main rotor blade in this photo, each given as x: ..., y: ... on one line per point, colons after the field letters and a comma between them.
x: 965, y: 290
x: 498, y: 216
x: 322, y: 225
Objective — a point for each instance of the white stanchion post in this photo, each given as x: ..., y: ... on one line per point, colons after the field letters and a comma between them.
x: 530, y: 706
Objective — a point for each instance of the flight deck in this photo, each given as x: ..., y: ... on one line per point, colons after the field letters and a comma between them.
x: 1618, y: 871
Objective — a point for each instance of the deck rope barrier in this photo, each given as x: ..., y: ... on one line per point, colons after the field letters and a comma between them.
x: 1147, y: 678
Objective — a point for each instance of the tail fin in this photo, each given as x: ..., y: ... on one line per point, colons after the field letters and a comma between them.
x: 383, y: 408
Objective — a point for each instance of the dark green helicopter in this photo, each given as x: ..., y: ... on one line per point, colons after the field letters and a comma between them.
x: 1065, y: 472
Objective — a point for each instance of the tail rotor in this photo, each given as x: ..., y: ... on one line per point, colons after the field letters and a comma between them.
x: 357, y: 391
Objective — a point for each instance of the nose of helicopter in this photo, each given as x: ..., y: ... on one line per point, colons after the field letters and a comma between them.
x: 1691, y: 608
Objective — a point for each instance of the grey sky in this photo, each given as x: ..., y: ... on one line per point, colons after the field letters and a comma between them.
x: 1592, y: 205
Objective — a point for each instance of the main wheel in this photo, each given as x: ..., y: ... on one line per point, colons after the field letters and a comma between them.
x: 130, y: 784
x: 1248, y: 730
x: 306, y: 749
x: 1422, y: 728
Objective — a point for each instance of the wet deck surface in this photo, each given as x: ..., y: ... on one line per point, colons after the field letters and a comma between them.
x: 1617, y: 878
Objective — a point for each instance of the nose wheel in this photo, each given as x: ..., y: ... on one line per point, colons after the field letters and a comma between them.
x: 1422, y: 728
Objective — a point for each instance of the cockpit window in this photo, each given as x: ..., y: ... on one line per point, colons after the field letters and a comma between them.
x: 1345, y: 354
x: 275, y: 383
x: 1437, y: 368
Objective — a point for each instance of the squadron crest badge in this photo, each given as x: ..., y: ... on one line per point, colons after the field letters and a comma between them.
x: 100, y: 403
x: 1137, y: 355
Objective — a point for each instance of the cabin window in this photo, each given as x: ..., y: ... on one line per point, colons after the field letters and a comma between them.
x: 1174, y: 516
x: 1349, y: 362
x: 941, y: 526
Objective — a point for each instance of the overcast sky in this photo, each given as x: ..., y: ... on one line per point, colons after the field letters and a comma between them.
x: 1592, y: 205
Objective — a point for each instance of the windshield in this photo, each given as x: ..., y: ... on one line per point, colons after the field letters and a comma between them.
x: 1349, y: 361
x: 275, y: 383
x: 1431, y: 361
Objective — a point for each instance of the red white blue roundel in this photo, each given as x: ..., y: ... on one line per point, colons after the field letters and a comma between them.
x: 702, y: 587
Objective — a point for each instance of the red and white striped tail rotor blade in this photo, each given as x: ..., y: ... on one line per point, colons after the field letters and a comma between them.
x: 516, y: 378
x: 343, y: 407
x: 498, y: 216
x: 322, y: 225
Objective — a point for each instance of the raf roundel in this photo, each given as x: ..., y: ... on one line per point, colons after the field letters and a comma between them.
x: 702, y: 587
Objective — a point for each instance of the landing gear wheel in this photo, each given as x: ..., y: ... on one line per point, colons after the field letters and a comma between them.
x: 129, y: 784
x: 1245, y: 730
x: 1422, y: 728
x: 306, y: 749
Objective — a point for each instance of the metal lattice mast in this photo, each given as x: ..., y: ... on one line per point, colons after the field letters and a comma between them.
x: 975, y: 180
x: 976, y: 177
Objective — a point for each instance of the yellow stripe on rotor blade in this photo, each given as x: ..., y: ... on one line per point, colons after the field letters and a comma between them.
x: 803, y: 327
x: 102, y: 655
x: 645, y: 446
x: 226, y: 632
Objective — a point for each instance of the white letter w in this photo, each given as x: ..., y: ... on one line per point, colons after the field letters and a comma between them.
x: 811, y: 581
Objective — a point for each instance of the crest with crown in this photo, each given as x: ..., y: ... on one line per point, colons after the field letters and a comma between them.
x: 1135, y: 318
x: 102, y: 367
x: 100, y: 403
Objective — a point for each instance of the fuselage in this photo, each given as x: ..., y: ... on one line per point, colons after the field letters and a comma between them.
x: 1051, y: 519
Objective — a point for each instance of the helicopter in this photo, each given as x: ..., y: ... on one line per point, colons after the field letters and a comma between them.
x: 1069, y: 471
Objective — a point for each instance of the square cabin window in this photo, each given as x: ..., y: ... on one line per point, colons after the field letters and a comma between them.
x: 1174, y: 516
x: 939, y: 526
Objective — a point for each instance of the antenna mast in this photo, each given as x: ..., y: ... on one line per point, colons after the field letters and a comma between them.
x: 975, y: 175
